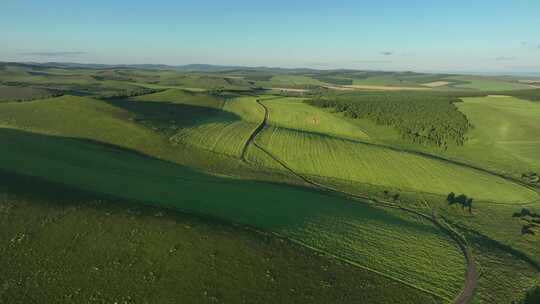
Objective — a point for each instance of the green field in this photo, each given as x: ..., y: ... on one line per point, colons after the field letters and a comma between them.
x: 292, y: 113
x: 316, y: 220
x: 15, y: 93
x: 488, y: 84
x: 505, y: 128
x: 332, y: 157
x: 88, y: 248
x: 291, y: 81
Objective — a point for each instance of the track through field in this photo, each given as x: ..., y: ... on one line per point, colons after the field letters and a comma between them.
x: 467, y: 292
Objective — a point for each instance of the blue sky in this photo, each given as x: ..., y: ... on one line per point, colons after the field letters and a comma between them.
x: 459, y: 35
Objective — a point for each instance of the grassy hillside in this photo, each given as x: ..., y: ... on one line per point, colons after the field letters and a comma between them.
x: 227, y: 132
x: 178, y: 96
x: 63, y: 246
x: 291, y: 81
x: 507, y: 129
x: 325, y: 156
x: 354, y: 231
x: 142, y: 126
x: 17, y: 93
x: 487, y: 83
x: 293, y: 113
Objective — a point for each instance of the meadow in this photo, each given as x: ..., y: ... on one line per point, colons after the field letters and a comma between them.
x: 90, y: 248
x: 354, y: 232
x: 505, y: 128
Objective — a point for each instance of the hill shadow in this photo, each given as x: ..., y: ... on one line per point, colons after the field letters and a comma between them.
x: 167, y: 114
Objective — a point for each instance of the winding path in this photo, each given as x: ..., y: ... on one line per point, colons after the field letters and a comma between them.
x: 255, y: 132
x: 467, y: 292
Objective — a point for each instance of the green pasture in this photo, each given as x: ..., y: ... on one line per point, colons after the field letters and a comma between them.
x: 326, y: 156
x: 422, y: 255
x: 293, y: 113
x: 62, y: 245
x: 505, y: 133
x: 488, y: 83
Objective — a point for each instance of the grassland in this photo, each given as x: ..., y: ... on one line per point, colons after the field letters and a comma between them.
x: 487, y: 84
x: 294, y: 114
x: 291, y: 81
x: 226, y: 134
x: 141, y: 126
x: 337, y: 157
x: 356, y: 232
x: 62, y: 245
x: 506, y: 129
x: 15, y: 93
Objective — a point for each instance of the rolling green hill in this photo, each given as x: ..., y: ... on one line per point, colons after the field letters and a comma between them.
x: 89, y: 248
x: 294, y: 114
x: 350, y: 230
x: 505, y: 128
x: 326, y: 156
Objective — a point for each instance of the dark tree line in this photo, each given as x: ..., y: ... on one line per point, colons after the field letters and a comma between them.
x: 424, y: 118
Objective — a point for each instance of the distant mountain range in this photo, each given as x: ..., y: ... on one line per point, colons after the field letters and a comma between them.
x: 226, y: 68
x: 185, y: 68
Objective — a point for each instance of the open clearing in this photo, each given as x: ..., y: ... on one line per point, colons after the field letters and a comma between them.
x: 506, y: 129
x: 487, y: 84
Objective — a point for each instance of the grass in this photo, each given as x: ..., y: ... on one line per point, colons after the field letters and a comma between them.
x: 488, y: 83
x: 294, y: 114
x: 178, y: 96
x: 16, y: 93
x: 507, y: 130
x: 421, y: 254
x: 154, y: 150
x: 225, y: 133
x: 62, y: 245
x: 140, y: 126
x: 291, y: 81
x: 325, y: 156
x: 224, y: 129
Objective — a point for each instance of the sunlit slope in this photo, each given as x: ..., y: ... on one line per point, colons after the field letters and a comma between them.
x: 79, y: 117
x: 506, y: 133
x: 143, y: 127
x: 224, y: 130
x: 294, y: 114
x: 224, y: 133
x: 326, y: 156
x: 488, y: 83
x: 400, y: 246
